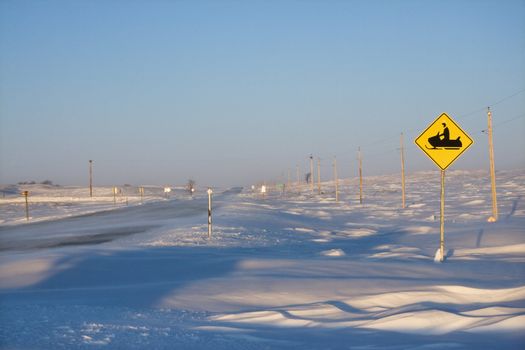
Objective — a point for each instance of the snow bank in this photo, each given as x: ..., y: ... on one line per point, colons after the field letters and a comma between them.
x: 289, y: 271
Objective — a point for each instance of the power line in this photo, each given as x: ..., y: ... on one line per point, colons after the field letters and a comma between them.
x: 463, y: 116
x: 378, y: 141
x: 508, y: 97
x: 503, y: 122
x: 469, y: 114
x: 377, y: 154
x: 510, y: 120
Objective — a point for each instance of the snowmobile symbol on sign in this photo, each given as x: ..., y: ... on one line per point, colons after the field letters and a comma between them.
x: 443, y: 141
x: 437, y: 143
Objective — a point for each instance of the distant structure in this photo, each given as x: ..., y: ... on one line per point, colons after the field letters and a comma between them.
x: 190, y: 186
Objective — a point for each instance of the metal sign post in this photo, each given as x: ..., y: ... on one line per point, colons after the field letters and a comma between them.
x: 442, y: 219
x: 209, y: 212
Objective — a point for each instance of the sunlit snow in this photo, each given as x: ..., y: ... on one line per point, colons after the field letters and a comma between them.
x: 285, y: 271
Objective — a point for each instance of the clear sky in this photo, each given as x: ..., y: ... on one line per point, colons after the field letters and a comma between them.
x: 233, y: 92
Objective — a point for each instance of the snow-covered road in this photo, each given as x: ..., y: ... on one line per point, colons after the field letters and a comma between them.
x: 103, y: 226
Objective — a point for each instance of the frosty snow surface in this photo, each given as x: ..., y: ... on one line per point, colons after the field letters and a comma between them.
x: 282, y: 272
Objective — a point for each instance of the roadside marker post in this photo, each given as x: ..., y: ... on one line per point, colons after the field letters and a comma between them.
x: 209, y: 212
x: 263, y: 191
x: 115, y: 190
x: 443, y: 141
x: 26, y: 194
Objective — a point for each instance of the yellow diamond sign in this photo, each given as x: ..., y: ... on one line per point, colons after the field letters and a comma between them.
x: 443, y: 141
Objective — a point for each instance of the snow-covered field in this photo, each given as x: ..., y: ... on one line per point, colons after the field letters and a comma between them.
x: 283, y: 272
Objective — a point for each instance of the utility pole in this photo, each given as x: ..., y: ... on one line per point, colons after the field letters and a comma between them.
x: 298, y: 178
x: 494, y: 216
x: 360, y: 176
x: 91, y: 178
x: 288, y: 183
x: 141, y: 191
x: 336, y: 180
x: 312, y: 173
x: 402, y: 172
x: 319, y: 175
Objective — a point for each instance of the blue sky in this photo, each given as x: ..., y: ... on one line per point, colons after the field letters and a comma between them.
x: 233, y: 92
